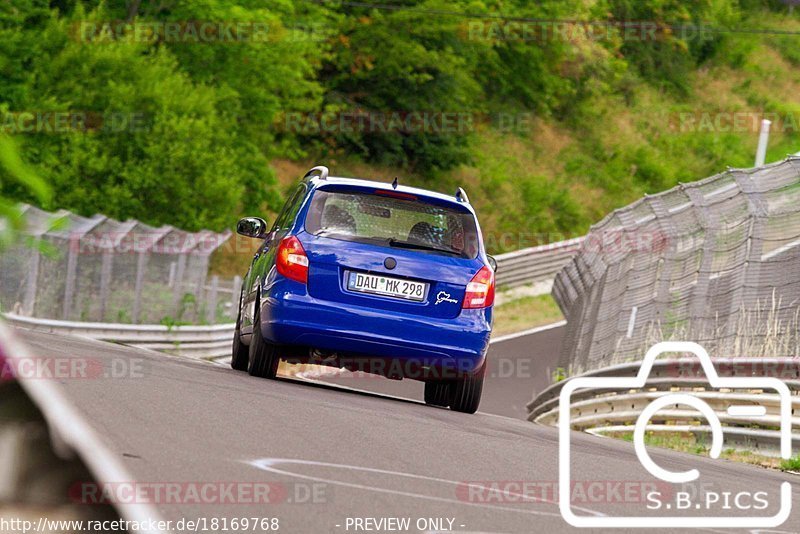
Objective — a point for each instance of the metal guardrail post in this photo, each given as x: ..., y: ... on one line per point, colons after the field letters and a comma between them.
x: 105, y: 280
x: 763, y: 141
x: 211, y: 311
x: 69, y: 286
x: 31, y: 279
x: 141, y: 265
x: 178, y: 287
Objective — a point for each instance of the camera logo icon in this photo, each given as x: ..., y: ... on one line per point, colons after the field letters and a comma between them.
x: 683, y: 398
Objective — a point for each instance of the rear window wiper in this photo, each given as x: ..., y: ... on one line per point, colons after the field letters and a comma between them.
x: 405, y: 244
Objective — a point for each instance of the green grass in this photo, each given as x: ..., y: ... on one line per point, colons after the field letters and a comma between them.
x: 552, y: 179
x: 687, y: 442
x: 792, y: 464
x: 524, y: 313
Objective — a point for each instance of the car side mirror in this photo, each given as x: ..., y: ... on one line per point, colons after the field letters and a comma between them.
x: 492, y: 263
x: 252, y: 227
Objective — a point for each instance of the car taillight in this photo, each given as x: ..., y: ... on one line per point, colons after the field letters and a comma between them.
x: 291, y: 260
x: 480, y: 290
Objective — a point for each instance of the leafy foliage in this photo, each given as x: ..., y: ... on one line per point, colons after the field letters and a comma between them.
x: 176, y: 130
x: 13, y: 169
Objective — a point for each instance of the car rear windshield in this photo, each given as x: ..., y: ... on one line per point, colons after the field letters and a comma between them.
x: 393, y: 222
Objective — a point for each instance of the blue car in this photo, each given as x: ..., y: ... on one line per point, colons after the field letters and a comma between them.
x: 371, y: 277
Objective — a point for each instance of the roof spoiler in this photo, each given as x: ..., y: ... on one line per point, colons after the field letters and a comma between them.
x: 319, y: 170
x: 461, y: 195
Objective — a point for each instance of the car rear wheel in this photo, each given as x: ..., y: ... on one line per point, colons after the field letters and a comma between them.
x: 239, y: 351
x: 467, y: 391
x: 437, y: 393
x: 263, y: 358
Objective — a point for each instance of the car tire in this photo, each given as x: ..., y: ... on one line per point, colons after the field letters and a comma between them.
x: 263, y: 357
x: 437, y: 393
x: 466, y: 395
x: 240, y: 353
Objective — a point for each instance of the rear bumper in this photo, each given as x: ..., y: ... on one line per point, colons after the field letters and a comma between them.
x: 294, y: 318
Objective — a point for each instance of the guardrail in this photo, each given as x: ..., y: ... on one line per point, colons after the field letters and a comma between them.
x: 535, y: 264
x: 605, y: 411
x: 202, y: 342
x: 70, y: 434
x: 527, y: 266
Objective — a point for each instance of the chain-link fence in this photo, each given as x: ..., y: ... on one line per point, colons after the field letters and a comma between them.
x: 716, y: 262
x: 98, y: 269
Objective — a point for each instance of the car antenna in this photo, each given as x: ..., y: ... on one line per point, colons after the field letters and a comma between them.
x: 394, y: 184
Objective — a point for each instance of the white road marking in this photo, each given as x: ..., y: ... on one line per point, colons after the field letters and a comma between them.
x: 530, y: 332
x: 268, y: 464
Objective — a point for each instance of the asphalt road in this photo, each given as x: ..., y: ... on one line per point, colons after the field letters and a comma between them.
x: 334, y: 456
x: 518, y: 367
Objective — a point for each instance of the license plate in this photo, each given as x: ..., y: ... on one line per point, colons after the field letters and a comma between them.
x: 386, y: 286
